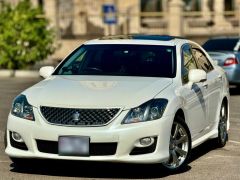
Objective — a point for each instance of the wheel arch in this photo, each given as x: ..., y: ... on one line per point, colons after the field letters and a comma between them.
x: 225, y: 100
x: 181, y: 114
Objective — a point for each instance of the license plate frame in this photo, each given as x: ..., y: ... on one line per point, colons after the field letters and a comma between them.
x: 74, y: 145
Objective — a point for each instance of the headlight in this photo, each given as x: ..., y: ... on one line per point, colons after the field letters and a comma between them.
x: 21, y: 108
x: 148, y: 111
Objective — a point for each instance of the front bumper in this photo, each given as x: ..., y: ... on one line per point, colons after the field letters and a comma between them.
x: 126, y: 136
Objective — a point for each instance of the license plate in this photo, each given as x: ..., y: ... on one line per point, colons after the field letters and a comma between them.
x: 73, y: 146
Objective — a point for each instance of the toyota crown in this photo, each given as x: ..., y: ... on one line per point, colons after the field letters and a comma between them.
x: 133, y: 99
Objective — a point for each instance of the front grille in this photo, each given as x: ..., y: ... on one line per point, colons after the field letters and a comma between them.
x: 78, y: 117
x: 96, y: 149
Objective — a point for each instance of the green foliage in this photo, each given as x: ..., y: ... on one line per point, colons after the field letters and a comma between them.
x: 25, y: 36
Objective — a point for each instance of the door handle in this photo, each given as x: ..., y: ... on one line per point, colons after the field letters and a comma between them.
x: 205, y: 85
x: 220, y: 77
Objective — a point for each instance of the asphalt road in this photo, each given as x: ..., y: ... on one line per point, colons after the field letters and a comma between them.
x: 206, y: 162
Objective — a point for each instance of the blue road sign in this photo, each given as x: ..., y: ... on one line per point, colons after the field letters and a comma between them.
x: 109, y: 14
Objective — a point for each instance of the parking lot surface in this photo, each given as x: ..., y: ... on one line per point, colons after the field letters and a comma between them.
x: 207, y: 162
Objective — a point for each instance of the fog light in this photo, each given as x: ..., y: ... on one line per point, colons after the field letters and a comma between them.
x: 17, y: 137
x: 147, y: 141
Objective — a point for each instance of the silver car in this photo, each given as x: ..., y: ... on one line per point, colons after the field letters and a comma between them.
x: 226, y: 51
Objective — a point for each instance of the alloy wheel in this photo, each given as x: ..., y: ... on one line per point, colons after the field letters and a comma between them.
x: 178, y: 147
x: 223, y: 124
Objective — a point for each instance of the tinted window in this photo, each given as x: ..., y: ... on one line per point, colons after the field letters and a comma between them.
x: 220, y: 44
x: 188, y: 62
x: 202, y: 61
x: 120, y: 60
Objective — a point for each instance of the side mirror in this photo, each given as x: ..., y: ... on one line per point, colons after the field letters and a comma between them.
x: 197, y: 75
x: 46, y: 71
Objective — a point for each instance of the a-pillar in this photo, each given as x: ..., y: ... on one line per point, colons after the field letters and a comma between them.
x: 175, y: 26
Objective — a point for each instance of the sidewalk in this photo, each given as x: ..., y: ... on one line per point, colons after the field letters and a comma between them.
x: 19, y: 73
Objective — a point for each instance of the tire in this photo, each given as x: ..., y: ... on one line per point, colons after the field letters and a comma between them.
x: 179, y: 147
x: 222, y: 138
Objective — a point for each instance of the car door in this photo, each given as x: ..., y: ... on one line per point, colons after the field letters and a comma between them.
x: 213, y: 84
x: 195, y: 103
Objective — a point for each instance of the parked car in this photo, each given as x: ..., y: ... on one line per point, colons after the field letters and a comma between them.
x: 134, y: 99
x: 226, y: 51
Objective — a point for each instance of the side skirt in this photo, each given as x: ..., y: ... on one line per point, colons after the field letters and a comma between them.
x: 212, y: 134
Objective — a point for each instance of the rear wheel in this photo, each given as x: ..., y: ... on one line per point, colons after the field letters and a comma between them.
x: 222, y: 138
x: 179, y: 147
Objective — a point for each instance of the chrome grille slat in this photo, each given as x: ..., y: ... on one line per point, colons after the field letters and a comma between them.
x: 87, y: 117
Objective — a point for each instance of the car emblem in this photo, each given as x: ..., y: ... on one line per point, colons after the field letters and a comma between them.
x: 76, y: 116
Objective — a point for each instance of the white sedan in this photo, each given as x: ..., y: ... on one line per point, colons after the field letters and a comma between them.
x: 134, y: 99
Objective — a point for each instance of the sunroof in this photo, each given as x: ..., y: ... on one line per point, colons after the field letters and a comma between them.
x: 141, y: 37
x: 154, y: 37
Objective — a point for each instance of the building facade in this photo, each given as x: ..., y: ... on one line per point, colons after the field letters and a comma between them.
x: 78, y: 20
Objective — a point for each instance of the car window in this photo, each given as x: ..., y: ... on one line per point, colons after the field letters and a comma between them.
x: 202, y: 61
x: 121, y: 60
x: 188, y: 62
x: 221, y: 44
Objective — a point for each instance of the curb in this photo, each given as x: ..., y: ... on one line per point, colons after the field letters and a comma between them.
x: 19, y: 73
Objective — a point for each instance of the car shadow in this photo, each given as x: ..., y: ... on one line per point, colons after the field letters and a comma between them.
x: 106, y: 170
x: 202, y: 150
x: 95, y: 170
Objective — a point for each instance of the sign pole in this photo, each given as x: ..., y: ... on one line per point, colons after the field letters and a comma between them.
x: 109, y: 30
x: 109, y: 17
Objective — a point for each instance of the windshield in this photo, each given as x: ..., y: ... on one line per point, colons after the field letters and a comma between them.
x: 120, y: 60
x: 220, y: 44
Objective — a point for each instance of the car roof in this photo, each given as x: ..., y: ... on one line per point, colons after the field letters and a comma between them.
x: 141, y: 39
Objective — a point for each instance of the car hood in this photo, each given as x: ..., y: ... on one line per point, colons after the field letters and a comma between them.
x: 95, y: 91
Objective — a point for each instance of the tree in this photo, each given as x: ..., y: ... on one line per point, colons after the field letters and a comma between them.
x: 25, y: 36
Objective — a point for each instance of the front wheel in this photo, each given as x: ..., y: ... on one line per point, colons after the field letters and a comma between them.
x: 179, y: 146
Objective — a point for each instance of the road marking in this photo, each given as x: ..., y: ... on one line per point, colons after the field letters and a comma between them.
x: 234, y: 113
x: 234, y: 118
x: 222, y: 156
x: 236, y: 142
